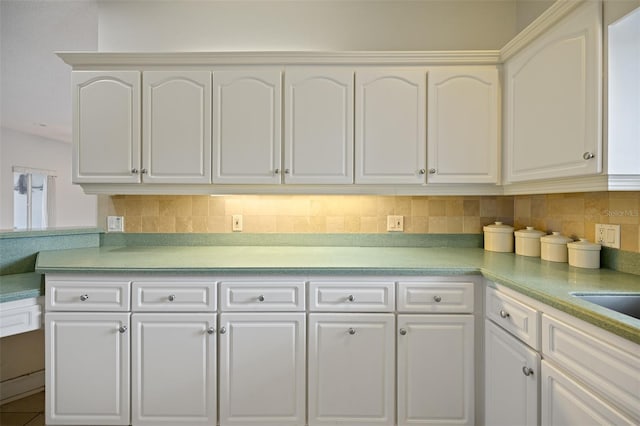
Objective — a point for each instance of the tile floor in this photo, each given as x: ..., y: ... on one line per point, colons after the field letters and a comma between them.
x: 28, y: 411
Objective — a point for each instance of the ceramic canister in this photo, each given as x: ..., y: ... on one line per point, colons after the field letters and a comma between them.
x: 528, y: 242
x: 584, y: 254
x: 498, y: 237
x: 554, y: 247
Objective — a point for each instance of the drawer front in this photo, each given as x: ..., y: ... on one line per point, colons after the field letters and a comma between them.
x: 262, y: 296
x: 445, y: 297
x: 351, y: 296
x: 20, y: 320
x: 613, y: 372
x: 87, y: 295
x: 174, y: 296
x: 517, y: 318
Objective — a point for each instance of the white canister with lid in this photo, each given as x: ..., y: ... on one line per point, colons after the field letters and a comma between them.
x: 584, y: 254
x: 498, y: 237
x: 554, y: 247
x: 528, y: 242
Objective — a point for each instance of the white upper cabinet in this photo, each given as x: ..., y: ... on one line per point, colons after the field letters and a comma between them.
x: 106, y: 126
x: 176, y: 127
x: 318, y: 134
x: 463, y: 132
x: 553, y: 101
x: 247, y: 126
x: 390, y: 126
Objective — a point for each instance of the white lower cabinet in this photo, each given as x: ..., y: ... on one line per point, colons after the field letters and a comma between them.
x: 435, y: 370
x: 351, y: 369
x: 173, y: 373
x: 511, y: 379
x: 87, y: 368
x: 262, y: 368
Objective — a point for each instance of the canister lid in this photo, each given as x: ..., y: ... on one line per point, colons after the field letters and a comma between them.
x: 556, y: 238
x: 498, y: 227
x: 583, y: 244
x: 529, y: 232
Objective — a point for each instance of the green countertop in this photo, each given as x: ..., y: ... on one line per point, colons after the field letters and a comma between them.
x: 21, y: 286
x: 547, y: 282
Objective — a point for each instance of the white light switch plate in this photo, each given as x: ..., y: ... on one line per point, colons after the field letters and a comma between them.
x: 608, y: 235
x: 115, y: 223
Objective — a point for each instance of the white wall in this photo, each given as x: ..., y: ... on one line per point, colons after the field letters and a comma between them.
x: 528, y: 10
x: 73, y: 207
x: 305, y: 25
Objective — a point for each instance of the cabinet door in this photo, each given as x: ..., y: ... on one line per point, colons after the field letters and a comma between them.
x: 106, y: 126
x: 435, y: 370
x: 87, y: 368
x: 318, y: 133
x: 351, y: 369
x: 463, y: 124
x: 246, y: 122
x: 176, y: 127
x: 511, y: 389
x: 262, y: 369
x: 390, y: 125
x: 566, y: 402
x: 553, y: 101
x: 173, y: 378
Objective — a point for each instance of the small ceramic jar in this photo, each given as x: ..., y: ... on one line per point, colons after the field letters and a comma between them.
x: 554, y: 247
x: 584, y: 254
x: 528, y: 242
x: 498, y: 237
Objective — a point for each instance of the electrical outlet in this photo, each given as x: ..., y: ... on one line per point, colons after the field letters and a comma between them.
x: 608, y: 235
x: 395, y: 223
x: 236, y: 224
x: 115, y: 223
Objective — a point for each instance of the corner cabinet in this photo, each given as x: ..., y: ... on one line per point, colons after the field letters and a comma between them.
x: 553, y: 101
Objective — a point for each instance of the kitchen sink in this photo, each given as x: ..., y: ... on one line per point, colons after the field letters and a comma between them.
x: 624, y: 303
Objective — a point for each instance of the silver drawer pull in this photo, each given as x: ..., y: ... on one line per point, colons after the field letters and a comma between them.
x: 527, y: 371
x: 403, y: 332
x: 504, y: 314
x: 172, y: 297
x: 211, y: 330
x: 261, y: 298
x: 350, y: 298
x: 588, y: 155
x: 437, y: 299
x: 122, y: 329
x: 84, y: 297
x: 351, y: 331
x: 222, y: 330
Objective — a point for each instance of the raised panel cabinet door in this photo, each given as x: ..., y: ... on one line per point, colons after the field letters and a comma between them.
x: 351, y: 369
x: 512, y: 379
x: 247, y: 126
x: 318, y: 134
x: 390, y: 126
x: 106, y: 126
x: 463, y: 120
x: 262, y: 369
x: 565, y: 402
x: 87, y: 368
x: 553, y: 101
x: 173, y: 369
x: 435, y: 370
x: 176, y: 127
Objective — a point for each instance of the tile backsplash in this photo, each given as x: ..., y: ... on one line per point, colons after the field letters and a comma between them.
x: 573, y: 214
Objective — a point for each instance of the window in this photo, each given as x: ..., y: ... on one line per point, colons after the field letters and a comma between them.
x: 33, y: 203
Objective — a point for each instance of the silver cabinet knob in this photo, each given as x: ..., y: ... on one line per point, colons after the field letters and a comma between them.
x: 504, y: 314
x: 172, y: 297
x: 84, y: 297
x: 588, y: 155
x: 432, y: 171
x: 350, y: 298
x: 276, y: 171
x: 134, y: 171
x: 437, y: 299
x: 261, y: 298
x: 422, y: 171
x: 122, y: 329
x: 287, y: 171
x: 351, y: 331
x: 527, y: 371
x: 222, y: 330
x: 403, y: 331
x: 143, y: 171
x: 211, y: 330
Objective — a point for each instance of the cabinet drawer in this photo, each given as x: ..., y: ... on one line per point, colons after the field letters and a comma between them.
x: 449, y: 297
x: 517, y: 318
x: 352, y: 296
x: 193, y: 296
x: 20, y: 316
x: 613, y: 372
x: 87, y: 295
x: 262, y: 296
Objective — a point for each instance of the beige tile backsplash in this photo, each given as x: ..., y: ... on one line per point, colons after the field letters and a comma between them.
x: 572, y: 214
